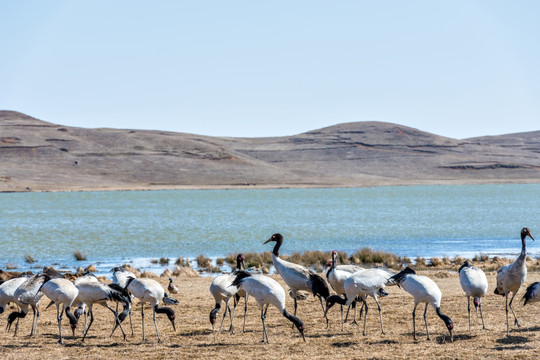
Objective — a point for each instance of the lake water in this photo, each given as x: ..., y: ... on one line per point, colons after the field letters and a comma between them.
x: 113, y: 228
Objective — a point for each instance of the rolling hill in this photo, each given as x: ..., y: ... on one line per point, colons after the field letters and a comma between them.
x: 41, y: 156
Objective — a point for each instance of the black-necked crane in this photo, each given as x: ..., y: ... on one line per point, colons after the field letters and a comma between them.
x: 120, y: 276
x: 474, y: 283
x: 150, y: 291
x: 336, y: 276
x: 81, y: 307
x: 424, y: 290
x: 368, y: 282
x: 28, y: 295
x: 510, y: 277
x: 62, y: 292
x: 532, y: 294
x: 298, y: 277
x: 173, y: 289
x: 266, y: 291
x: 91, y: 293
x: 7, y: 293
x: 223, y: 292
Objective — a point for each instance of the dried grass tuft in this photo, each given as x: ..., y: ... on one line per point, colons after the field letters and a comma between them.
x: 204, y: 263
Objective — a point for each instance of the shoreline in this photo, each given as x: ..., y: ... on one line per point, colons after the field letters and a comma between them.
x: 393, y: 182
x: 219, y: 264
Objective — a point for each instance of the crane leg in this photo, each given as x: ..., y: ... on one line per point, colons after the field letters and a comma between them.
x: 263, y: 318
x: 142, y: 316
x: 516, y: 322
x: 425, y: 320
x: 481, y: 315
x: 380, y: 313
x: 91, y: 314
x: 59, y: 318
x: 360, y: 313
x: 245, y: 312
x: 348, y: 308
x: 235, y: 303
x: 224, y: 315
x: 365, y: 316
x: 295, y: 307
x: 414, y: 321
x: 117, y: 322
x: 507, y: 326
x: 33, y: 331
x: 155, y: 324
x: 469, y: 310
x: 131, y: 323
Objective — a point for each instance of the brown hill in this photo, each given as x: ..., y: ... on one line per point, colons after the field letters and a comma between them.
x: 40, y: 156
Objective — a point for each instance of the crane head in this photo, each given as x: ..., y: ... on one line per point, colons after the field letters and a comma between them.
x: 526, y: 232
x: 276, y: 237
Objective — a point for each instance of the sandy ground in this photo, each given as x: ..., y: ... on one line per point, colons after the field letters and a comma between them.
x: 194, y: 337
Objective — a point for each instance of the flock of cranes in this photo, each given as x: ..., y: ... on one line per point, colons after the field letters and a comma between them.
x: 351, y: 284
x: 85, y: 292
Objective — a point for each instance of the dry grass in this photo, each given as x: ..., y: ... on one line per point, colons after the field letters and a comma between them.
x: 204, y: 263
x: 194, y: 338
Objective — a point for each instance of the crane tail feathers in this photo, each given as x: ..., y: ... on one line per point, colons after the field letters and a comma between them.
x: 400, y: 276
x: 319, y: 286
x: 240, y: 276
x: 530, y: 293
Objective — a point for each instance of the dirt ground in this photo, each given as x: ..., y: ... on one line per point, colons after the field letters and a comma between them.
x: 194, y: 337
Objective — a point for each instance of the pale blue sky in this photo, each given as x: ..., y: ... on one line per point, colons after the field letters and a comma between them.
x: 272, y: 68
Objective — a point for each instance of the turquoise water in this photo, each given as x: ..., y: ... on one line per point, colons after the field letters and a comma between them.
x: 117, y: 227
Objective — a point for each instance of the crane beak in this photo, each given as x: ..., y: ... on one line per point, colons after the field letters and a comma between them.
x: 267, y: 241
x: 302, y: 333
x: 174, y: 326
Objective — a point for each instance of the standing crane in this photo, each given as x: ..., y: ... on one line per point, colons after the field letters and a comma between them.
x: 222, y: 291
x: 62, y: 292
x: 474, y: 283
x: 266, y: 291
x: 369, y: 282
x: 510, y: 277
x: 150, y: 291
x: 298, y: 277
x: 336, y: 276
x: 424, y: 290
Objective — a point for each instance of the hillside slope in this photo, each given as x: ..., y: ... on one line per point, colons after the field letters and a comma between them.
x: 41, y: 156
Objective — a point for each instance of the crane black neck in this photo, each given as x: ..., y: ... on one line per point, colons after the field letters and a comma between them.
x: 277, y: 246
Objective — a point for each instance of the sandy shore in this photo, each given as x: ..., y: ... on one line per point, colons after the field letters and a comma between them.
x: 194, y: 338
x: 142, y: 187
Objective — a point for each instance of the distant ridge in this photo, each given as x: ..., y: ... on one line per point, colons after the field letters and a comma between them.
x: 41, y: 156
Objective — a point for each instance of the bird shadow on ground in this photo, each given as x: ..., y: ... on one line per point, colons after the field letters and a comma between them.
x: 198, y: 333
x: 344, y: 344
x: 87, y: 345
x: 22, y: 346
x: 513, y: 340
x: 383, y: 342
x: 315, y: 336
x: 513, y: 343
x: 216, y: 344
x: 527, y: 329
x: 443, y: 339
